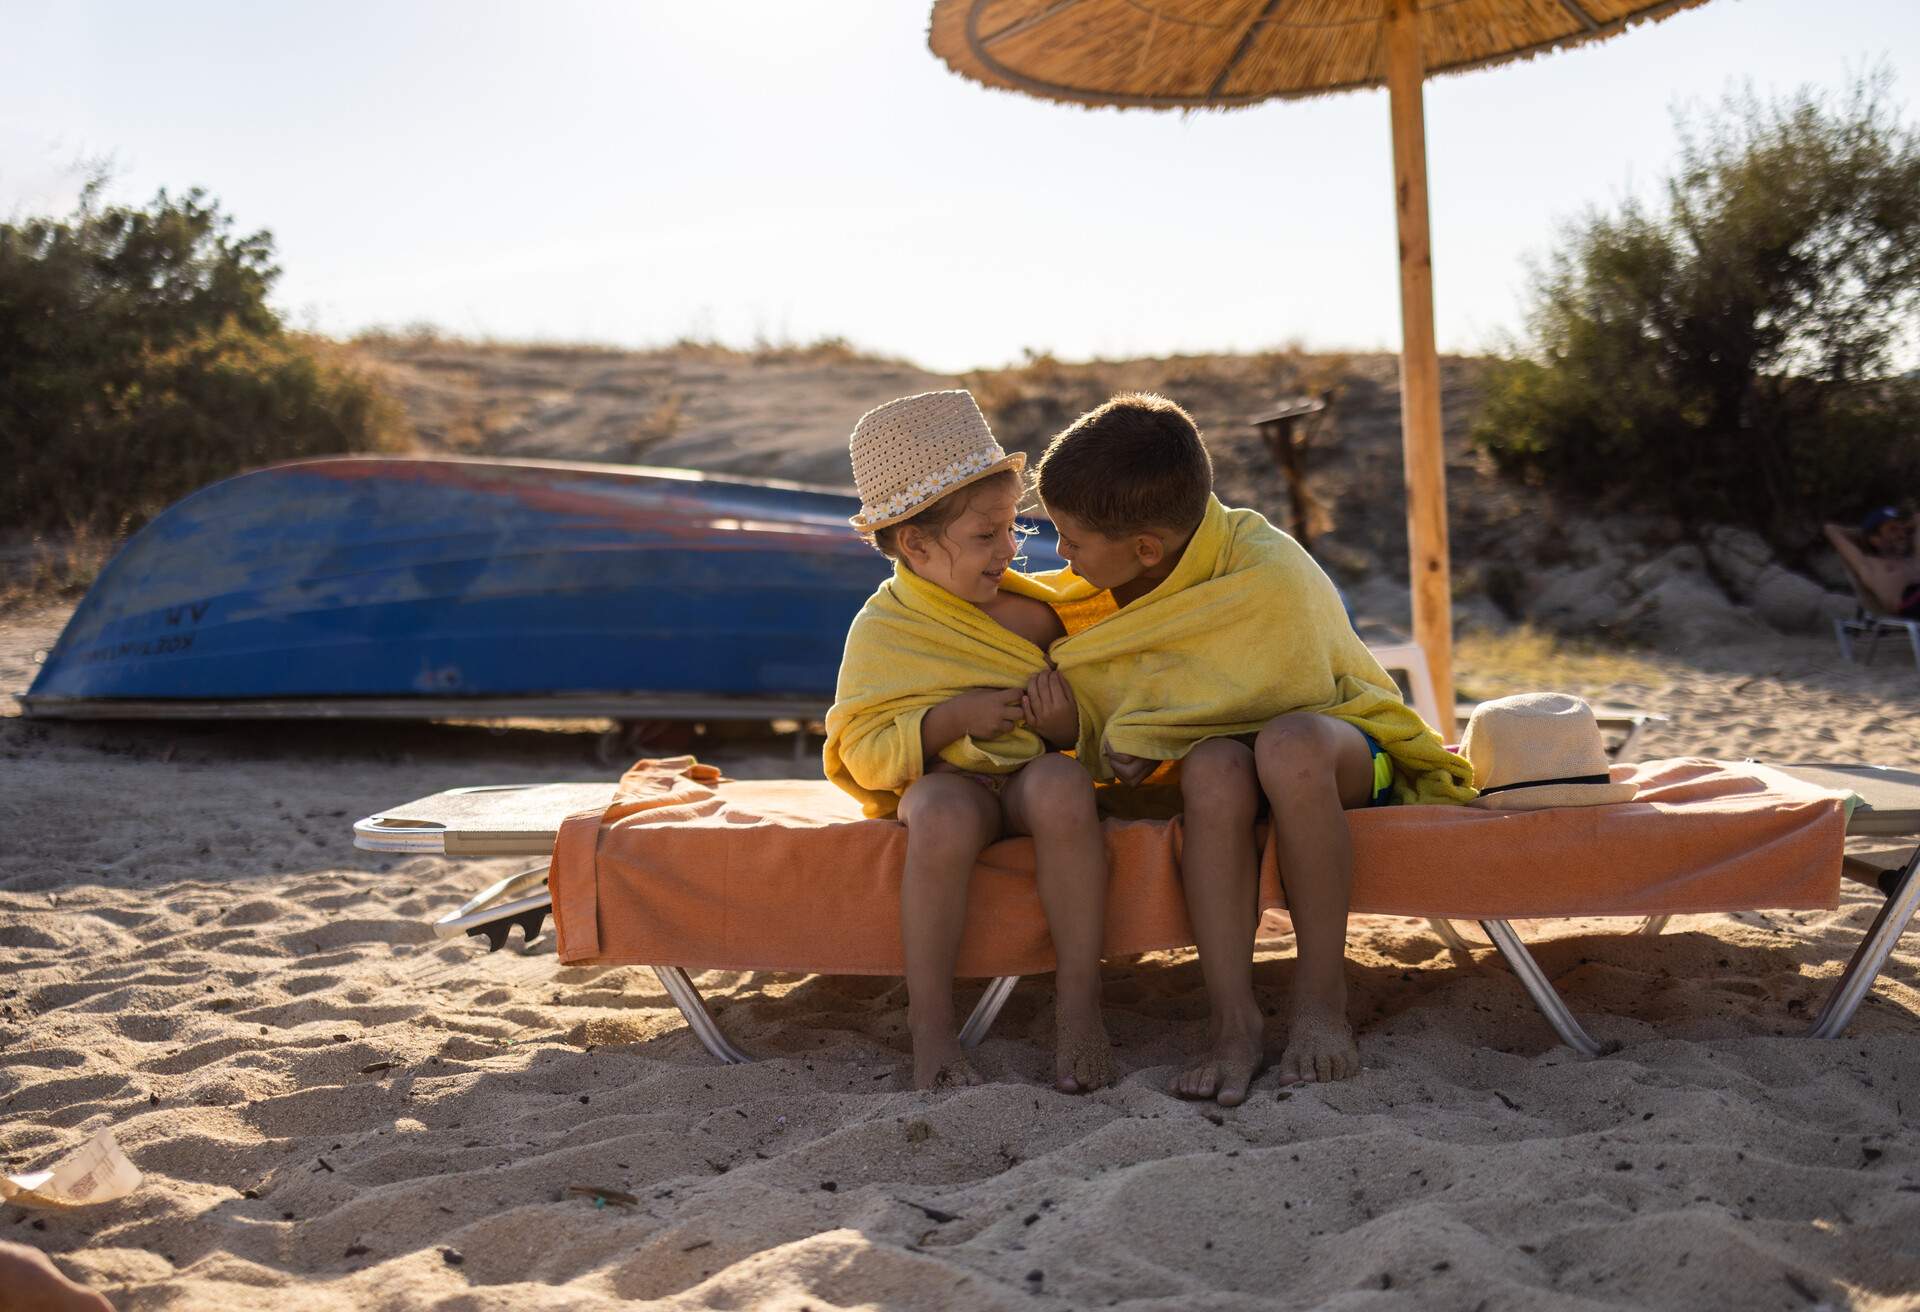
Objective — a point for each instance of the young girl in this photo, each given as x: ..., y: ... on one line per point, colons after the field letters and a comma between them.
x: 947, y: 715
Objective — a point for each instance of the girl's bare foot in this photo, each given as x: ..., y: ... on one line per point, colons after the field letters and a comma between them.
x: 1083, y: 1055
x: 1320, y: 1046
x: 1236, y: 1057
x: 942, y: 1065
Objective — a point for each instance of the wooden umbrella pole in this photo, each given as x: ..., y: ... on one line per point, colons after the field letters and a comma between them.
x: 1426, y: 472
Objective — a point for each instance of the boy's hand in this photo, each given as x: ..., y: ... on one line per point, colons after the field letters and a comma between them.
x: 1050, y: 710
x: 1130, y: 770
x: 986, y: 712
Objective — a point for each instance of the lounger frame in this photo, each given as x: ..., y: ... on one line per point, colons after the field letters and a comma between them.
x: 1835, y: 1013
x: 1872, y: 626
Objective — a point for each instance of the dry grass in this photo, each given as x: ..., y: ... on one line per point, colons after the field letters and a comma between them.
x: 1526, y: 659
x: 420, y: 338
x: 42, y: 571
x: 1027, y: 403
x: 661, y: 424
x: 831, y: 350
x: 415, y: 339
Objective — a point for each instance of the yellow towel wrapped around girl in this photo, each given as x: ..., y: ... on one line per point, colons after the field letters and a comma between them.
x: 913, y: 646
x: 1246, y: 627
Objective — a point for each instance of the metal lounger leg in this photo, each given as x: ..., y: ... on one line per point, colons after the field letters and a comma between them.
x: 1653, y: 925
x: 1857, y: 981
x: 1846, y: 643
x: 1540, y: 988
x: 686, y: 997
x: 986, y: 1010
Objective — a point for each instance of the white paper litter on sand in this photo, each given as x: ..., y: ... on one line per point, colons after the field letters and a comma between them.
x: 96, y: 1172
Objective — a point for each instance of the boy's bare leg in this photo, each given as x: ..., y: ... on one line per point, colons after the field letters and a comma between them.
x: 1052, y: 799
x: 1220, y: 871
x: 950, y: 819
x: 1312, y: 769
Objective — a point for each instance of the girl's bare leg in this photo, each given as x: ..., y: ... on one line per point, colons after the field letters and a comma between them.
x: 1220, y: 870
x: 1313, y: 768
x: 950, y: 819
x: 1052, y: 799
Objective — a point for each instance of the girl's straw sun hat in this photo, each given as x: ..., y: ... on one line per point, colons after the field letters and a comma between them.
x: 909, y: 453
x: 1539, y: 749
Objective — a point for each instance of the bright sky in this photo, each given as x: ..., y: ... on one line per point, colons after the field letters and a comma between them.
x: 636, y: 172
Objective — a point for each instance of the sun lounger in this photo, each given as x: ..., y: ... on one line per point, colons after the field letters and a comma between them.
x: 1872, y: 624
x: 685, y: 873
x: 1871, y: 620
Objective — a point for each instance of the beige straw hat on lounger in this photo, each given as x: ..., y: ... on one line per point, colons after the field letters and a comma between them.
x: 911, y: 452
x: 1539, y: 749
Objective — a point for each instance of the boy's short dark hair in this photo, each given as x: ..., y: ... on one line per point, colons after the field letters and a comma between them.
x: 1133, y: 464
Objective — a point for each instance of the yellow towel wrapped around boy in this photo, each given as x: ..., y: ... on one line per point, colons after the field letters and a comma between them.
x: 1246, y: 628
x: 913, y: 646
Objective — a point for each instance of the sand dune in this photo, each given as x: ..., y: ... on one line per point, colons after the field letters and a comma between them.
x: 334, y: 1110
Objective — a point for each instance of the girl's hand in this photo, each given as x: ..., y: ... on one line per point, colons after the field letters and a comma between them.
x: 1130, y: 770
x: 1050, y: 710
x: 986, y: 712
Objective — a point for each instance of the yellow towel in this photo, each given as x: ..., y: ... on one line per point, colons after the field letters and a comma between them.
x: 1246, y: 628
x: 913, y: 646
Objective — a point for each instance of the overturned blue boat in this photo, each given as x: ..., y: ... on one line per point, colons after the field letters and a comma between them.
x: 435, y: 588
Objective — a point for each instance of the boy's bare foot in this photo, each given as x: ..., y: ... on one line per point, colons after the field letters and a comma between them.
x: 1083, y: 1054
x: 1320, y: 1047
x: 1234, y: 1061
x: 942, y: 1066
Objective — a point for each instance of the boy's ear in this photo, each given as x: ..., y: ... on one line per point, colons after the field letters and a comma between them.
x: 1148, y: 550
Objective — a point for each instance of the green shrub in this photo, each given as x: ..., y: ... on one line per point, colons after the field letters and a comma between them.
x: 139, y: 359
x: 1728, y: 352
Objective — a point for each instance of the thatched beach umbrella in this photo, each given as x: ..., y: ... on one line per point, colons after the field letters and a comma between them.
x: 1210, y: 54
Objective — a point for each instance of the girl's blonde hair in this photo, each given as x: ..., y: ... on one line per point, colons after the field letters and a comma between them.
x: 934, y: 518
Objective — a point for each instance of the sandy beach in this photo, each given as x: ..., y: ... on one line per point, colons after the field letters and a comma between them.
x: 574, y: 360
x: 334, y: 1110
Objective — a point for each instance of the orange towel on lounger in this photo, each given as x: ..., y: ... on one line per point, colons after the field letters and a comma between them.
x: 684, y: 870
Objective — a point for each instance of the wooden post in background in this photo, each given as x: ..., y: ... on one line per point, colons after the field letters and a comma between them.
x: 1426, y: 471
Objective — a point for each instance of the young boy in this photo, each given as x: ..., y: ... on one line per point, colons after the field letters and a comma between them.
x: 1250, y: 674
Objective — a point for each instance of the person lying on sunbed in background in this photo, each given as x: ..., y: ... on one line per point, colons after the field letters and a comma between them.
x: 1885, y: 557
x: 948, y: 714
x: 1206, y: 634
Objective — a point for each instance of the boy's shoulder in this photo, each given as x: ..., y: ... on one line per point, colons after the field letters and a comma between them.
x: 1251, y: 540
x: 1245, y: 521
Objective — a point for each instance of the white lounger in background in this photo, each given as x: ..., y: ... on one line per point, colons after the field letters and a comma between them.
x: 1407, y: 661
